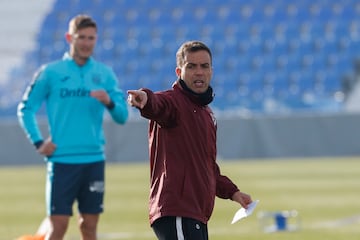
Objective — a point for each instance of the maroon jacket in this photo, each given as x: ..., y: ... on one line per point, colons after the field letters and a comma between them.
x: 185, y: 177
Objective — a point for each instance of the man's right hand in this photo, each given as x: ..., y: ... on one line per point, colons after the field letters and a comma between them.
x: 137, y: 98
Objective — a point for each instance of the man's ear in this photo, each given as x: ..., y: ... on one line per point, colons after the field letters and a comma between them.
x: 178, y: 71
x: 68, y: 37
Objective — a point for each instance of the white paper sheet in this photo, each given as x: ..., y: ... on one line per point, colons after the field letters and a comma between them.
x: 242, y: 212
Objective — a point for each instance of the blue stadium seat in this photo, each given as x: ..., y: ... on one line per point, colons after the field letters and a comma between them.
x: 280, y: 85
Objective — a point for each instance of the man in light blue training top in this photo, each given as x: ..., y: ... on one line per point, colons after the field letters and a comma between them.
x: 76, y: 89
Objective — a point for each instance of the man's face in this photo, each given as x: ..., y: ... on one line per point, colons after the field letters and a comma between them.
x: 196, y: 71
x: 82, y: 43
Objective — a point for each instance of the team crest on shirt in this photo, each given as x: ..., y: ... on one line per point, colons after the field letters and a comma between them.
x: 96, y: 79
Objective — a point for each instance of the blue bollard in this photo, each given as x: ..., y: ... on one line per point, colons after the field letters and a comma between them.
x: 279, y: 221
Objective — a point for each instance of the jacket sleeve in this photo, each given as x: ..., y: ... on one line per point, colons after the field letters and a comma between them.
x: 160, y: 108
x: 32, y: 100
x: 225, y: 188
x: 118, y: 108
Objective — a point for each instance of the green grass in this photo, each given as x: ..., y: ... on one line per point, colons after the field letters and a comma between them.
x: 325, y: 192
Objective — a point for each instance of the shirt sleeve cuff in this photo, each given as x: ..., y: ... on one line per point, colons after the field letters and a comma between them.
x: 38, y: 144
x: 110, y: 105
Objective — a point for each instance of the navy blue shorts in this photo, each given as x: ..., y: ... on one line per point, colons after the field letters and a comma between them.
x: 67, y: 183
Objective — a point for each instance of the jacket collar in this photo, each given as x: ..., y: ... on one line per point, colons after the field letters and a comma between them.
x: 202, y: 99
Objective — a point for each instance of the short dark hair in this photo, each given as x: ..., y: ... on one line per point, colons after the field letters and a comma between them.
x: 190, y: 46
x: 80, y: 22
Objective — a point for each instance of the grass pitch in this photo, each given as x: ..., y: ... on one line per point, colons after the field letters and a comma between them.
x: 325, y: 192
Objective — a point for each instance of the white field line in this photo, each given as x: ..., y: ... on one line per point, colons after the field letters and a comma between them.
x: 338, y: 222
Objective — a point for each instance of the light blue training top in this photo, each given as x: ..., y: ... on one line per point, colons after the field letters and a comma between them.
x: 75, y: 118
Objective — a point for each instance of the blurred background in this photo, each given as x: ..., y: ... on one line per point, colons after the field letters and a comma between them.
x: 285, y: 72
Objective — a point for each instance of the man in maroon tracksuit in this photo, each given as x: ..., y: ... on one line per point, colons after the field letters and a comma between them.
x: 185, y: 177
